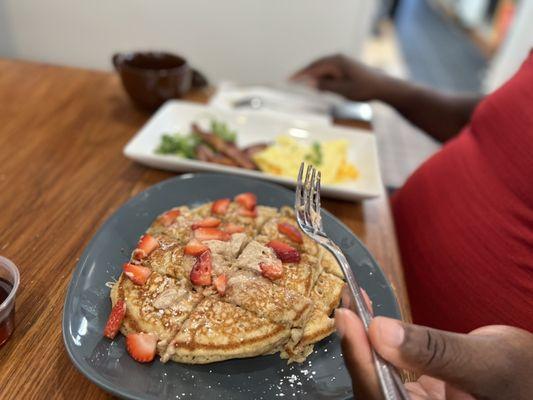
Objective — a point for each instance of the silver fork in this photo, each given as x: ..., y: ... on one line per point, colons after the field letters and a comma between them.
x: 307, y: 209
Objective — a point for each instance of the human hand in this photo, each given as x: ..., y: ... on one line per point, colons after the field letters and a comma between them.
x: 340, y: 74
x: 493, y: 362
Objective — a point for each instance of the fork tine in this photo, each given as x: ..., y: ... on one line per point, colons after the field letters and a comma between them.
x: 299, y: 192
x: 300, y: 174
x: 305, y: 195
x: 312, y: 187
x: 316, y: 201
x: 309, y: 176
x: 312, y: 199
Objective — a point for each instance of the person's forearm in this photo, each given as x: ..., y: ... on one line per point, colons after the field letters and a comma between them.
x: 440, y: 115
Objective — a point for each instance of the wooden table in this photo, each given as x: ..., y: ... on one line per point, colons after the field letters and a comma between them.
x: 62, y: 174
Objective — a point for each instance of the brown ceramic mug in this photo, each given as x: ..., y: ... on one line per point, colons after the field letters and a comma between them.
x: 151, y: 78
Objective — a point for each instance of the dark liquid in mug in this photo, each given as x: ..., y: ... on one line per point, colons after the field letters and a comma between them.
x: 6, y: 324
x: 155, y: 61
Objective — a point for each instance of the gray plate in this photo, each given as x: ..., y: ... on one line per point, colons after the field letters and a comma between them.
x: 106, y: 363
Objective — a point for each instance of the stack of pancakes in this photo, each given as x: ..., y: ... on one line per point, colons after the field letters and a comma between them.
x: 255, y: 315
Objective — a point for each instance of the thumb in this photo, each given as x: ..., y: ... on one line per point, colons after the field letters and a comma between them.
x: 478, y: 364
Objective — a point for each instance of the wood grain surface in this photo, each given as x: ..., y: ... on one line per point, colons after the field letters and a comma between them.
x: 62, y: 174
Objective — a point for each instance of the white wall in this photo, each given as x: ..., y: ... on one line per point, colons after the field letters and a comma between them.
x: 241, y: 40
x: 515, y: 48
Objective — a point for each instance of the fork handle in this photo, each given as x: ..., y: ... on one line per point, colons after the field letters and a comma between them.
x: 390, y: 382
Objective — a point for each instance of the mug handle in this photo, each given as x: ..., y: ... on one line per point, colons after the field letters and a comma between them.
x: 117, y: 61
x: 198, y: 79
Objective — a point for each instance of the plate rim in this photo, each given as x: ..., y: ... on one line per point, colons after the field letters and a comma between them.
x: 103, y: 383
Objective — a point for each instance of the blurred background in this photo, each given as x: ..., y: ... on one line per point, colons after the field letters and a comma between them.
x: 454, y: 45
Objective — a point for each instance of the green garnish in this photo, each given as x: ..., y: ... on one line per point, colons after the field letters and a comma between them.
x: 221, y: 130
x: 181, y: 145
x: 185, y: 145
x: 315, y: 156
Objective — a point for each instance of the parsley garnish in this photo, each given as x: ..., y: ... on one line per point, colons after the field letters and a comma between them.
x: 222, y: 130
x: 315, y: 155
x: 181, y: 145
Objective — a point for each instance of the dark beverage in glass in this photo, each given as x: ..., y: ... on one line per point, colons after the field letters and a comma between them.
x: 9, y: 284
x: 8, y: 322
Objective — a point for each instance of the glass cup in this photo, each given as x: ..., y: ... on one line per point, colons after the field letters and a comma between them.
x: 9, y: 284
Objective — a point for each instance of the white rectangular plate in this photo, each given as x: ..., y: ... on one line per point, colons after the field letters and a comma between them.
x: 254, y: 127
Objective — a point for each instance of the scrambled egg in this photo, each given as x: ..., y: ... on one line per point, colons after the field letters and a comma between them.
x: 284, y: 157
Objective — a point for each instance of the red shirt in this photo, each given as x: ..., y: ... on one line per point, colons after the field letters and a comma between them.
x: 464, y: 219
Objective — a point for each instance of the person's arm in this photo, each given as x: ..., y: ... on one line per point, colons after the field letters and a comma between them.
x: 440, y: 115
x: 492, y: 363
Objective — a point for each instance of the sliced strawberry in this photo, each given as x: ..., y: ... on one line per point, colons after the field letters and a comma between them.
x: 195, y: 247
x: 147, y: 244
x: 137, y: 273
x: 248, y: 213
x: 209, y: 222
x: 141, y: 346
x: 291, y: 232
x: 248, y: 200
x: 220, y: 206
x: 115, y: 319
x: 220, y: 284
x: 211, y: 234
x: 284, y: 252
x: 233, y: 228
x: 271, y: 271
x: 201, y: 272
x: 169, y: 217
